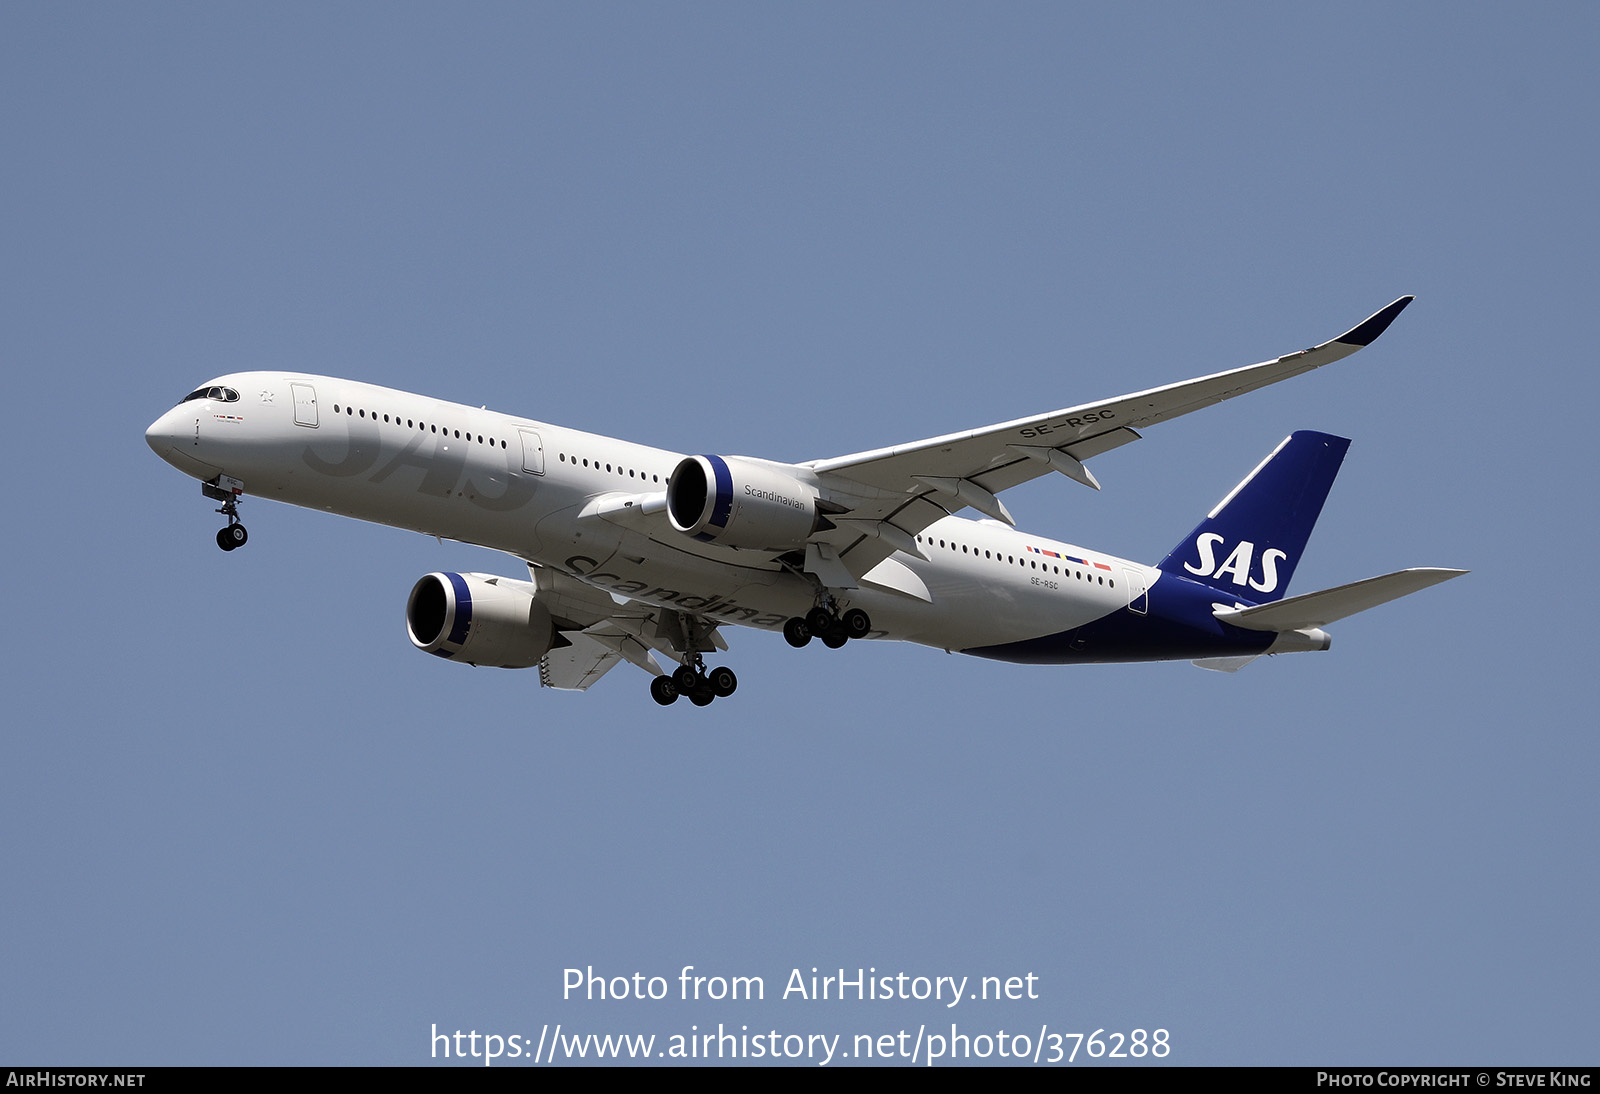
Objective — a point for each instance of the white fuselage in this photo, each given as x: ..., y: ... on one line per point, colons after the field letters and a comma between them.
x: 535, y: 491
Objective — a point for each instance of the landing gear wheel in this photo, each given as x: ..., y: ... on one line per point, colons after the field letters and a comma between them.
x: 819, y: 620
x: 834, y: 637
x: 664, y: 691
x: 856, y: 623
x: 797, y: 632
x: 702, y: 695
x: 722, y: 681
x: 686, y: 678
x: 228, y: 492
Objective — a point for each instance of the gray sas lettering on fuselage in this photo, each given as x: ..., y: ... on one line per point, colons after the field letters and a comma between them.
x: 519, y: 489
x: 442, y: 467
x: 361, y: 452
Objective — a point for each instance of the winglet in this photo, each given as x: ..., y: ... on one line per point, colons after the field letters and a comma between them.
x: 1367, y: 333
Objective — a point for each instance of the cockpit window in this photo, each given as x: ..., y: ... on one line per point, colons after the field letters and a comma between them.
x: 220, y: 394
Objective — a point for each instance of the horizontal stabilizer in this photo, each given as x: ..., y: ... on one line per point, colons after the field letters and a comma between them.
x: 1320, y: 608
x: 1225, y: 664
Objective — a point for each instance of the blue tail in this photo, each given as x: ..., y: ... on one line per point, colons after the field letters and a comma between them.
x: 1248, y: 546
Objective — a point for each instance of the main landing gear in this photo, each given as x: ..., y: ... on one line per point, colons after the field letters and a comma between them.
x: 823, y: 622
x: 228, y: 492
x: 692, y: 679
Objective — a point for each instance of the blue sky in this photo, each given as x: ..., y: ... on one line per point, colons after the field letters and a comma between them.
x: 245, y: 822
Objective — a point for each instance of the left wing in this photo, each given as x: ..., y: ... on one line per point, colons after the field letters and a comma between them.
x: 600, y: 632
x: 891, y: 494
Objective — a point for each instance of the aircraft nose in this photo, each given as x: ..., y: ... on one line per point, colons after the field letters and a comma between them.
x: 175, y: 437
x: 157, y: 438
x: 162, y: 435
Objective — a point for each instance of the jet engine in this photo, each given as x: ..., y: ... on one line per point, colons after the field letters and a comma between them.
x: 739, y: 502
x: 480, y: 619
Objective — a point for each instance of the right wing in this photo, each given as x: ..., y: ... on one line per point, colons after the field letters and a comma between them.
x: 891, y: 494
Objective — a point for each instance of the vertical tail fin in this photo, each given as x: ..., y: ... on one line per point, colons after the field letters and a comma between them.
x: 1249, y: 545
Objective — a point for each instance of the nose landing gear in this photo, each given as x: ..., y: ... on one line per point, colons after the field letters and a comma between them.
x: 228, y: 492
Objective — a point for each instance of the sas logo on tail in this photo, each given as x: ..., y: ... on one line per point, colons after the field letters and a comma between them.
x: 1237, y: 564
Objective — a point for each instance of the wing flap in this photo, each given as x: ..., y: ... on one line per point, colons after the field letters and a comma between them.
x: 577, y: 666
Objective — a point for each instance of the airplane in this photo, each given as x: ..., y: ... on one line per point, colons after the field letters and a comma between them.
x: 634, y: 552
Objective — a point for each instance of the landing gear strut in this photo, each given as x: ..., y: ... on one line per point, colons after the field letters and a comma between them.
x: 227, y: 491
x: 692, y: 679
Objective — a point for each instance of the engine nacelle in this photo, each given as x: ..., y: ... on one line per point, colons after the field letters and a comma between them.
x: 479, y: 619
x: 741, y: 503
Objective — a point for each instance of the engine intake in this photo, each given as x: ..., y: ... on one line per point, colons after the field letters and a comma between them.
x: 479, y: 619
x: 741, y: 503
